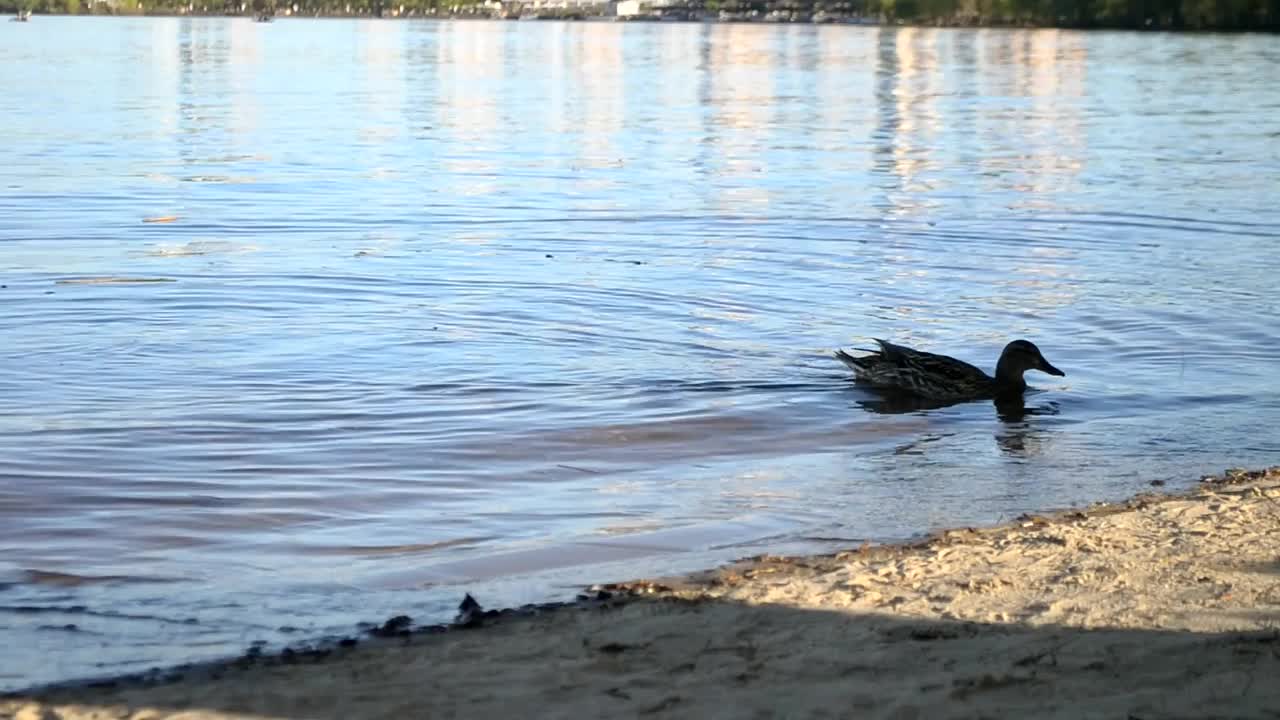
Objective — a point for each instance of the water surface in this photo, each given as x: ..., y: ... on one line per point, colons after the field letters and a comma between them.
x: 511, y: 308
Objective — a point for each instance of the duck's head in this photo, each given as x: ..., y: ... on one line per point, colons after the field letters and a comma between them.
x: 1020, y: 356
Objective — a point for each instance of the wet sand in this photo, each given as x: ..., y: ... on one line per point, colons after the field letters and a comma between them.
x: 1163, y: 606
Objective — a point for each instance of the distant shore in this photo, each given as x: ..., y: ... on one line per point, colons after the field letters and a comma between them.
x: 1164, y: 605
x: 778, y: 16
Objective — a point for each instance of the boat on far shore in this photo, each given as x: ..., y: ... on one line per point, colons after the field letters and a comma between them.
x: 22, y: 16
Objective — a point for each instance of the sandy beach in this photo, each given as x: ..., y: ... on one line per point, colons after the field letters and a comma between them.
x: 1164, y: 606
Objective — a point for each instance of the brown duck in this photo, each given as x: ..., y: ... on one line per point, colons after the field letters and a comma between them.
x: 938, y: 377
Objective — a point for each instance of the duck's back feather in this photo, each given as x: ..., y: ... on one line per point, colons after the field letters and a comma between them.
x: 904, y: 369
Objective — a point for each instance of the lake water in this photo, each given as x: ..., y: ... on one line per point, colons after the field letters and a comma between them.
x: 512, y: 308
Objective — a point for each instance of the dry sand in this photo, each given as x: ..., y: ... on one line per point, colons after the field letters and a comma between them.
x: 1161, y: 607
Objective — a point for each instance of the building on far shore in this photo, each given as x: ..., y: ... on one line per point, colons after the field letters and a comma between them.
x: 656, y: 9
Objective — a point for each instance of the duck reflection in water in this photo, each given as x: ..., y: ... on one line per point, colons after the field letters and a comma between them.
x: 1011, y: 409
x: 1018, y: 436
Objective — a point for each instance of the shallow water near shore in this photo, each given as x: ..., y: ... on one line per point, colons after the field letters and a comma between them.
x: 316, y: 322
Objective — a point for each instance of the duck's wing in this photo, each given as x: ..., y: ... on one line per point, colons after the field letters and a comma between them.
x: 944, y: 367
x: 927, y: 374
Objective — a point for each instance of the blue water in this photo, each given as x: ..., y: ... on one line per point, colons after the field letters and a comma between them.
x: 511, y: 308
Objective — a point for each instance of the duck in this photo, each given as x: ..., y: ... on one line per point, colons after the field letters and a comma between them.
x: 900, y: 369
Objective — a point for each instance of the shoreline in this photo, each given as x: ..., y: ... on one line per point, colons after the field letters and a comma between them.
x: 1149, y: 605
x: 565, y: 15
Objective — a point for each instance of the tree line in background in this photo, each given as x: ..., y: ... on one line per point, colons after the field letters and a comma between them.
x: 1140, y: 14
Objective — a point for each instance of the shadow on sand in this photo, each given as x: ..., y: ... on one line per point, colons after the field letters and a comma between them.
x: 671, y: 658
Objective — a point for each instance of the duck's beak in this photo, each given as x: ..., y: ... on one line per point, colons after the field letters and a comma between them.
x: 1044, y: 366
